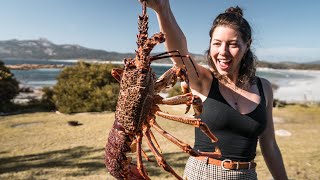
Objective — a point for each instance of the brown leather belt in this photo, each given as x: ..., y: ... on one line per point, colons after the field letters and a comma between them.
x: 228, y: 164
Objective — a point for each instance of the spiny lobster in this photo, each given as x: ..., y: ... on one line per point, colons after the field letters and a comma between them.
x: 137, y: 107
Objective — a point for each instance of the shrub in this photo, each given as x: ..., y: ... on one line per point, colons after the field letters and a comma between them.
x: 9, y: 87
x: 47, y: 98
x: 85, y: 88
x: 175, y: 90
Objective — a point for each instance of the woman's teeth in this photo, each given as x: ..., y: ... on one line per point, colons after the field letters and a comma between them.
x: 224, y: 60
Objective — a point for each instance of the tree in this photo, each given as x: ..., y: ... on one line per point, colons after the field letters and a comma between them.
x: 86, y: 87
x: 175, y: 90
x: 9, y: 87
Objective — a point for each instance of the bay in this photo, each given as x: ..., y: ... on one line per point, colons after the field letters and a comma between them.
x: 294, y: 85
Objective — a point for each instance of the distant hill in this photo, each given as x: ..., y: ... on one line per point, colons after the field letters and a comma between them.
x: 314, y: 62
x: 289, y: 65
x: 44, y: 49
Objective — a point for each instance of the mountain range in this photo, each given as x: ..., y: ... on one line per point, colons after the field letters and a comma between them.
x: 45, y: 49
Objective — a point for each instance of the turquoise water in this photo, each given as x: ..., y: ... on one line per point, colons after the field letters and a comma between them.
x: 47, y: 77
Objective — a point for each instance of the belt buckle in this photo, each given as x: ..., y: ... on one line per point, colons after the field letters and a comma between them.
x: 222, y: 164
x: 249, y: 167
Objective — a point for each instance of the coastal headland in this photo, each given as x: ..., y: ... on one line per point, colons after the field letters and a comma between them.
x: 34, y: 66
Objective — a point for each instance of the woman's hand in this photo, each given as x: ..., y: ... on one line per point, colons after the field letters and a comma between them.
x: 157, y: 5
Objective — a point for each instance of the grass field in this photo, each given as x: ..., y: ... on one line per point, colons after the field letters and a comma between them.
x: 44, y: 146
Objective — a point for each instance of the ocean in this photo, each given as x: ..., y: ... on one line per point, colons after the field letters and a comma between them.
x: 294, y: 85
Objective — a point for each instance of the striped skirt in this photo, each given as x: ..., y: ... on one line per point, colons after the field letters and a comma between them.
x: 200, y: 170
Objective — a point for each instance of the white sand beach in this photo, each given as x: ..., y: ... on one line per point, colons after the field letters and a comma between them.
x: 294, y: 85
x: 298, y: 86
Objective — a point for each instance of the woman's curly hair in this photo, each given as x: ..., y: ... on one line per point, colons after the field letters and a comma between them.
x: 233, y: 18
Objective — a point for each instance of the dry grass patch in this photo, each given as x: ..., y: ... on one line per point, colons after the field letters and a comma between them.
x: 44, y: 146
x: 300, y: 151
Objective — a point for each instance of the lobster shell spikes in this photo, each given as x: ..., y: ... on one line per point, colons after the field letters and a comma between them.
x: 142, y: 59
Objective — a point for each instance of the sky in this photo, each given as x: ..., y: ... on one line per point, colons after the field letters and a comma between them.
x: 285, y: 30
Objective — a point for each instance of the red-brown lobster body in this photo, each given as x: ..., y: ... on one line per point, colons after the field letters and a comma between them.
x: 137, y: 107
x: 134, y: 104
x: 135, y: 99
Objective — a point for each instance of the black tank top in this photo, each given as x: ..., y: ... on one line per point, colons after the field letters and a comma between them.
x: 237, y: 133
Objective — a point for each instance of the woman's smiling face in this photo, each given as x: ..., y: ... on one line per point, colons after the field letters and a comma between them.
x: 227, y: 49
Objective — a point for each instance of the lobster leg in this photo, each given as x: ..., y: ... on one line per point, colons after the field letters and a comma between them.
x: 158, y: 156
x: 146, y: 156
x: 139, y: 157
x: 117, y: 73
x: 185, y: 147
x: 169, y: 78
x: 196, y: 122
x: 166, y: 79
x: 155, y: 141
x: 186, y: 89
x: 187, y: 99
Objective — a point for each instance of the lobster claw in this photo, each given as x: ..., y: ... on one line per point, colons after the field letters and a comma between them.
x: 195, y: 100
x: 117, y: 73
x: 197, y: 105
x: 184, y: 87
x: 182, y: 74
x: 187, y: 109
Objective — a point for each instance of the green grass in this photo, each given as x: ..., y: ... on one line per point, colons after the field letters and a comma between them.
x: 44, y: 146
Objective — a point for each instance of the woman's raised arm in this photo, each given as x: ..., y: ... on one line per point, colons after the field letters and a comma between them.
x: 176, y: 40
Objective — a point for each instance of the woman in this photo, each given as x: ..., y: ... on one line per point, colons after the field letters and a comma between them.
x: 237, y: 104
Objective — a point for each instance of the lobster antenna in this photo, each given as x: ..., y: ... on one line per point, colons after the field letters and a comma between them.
x: 193, y: 65
x: 144, y: 7
x: 188, y: 56
x: 160, y: 56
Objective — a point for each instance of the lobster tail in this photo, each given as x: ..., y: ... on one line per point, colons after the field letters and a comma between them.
x: 118, y: 165
x: 115, y: 150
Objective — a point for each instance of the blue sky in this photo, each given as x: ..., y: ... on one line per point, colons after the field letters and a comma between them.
x: 286, y: 30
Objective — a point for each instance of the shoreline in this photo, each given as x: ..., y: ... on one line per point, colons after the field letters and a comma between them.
x: 294, y: 85
x: 299, y: 89
x: 60, y: 66
x: 25, y: 66
x: 34, y: 66
x: 37, y: 93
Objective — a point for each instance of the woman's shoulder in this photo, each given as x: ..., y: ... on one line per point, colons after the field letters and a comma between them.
x: 267, y: 89
x: 265, y: 82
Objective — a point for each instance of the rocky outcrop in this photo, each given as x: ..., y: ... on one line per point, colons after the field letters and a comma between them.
x: 34, y: 66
